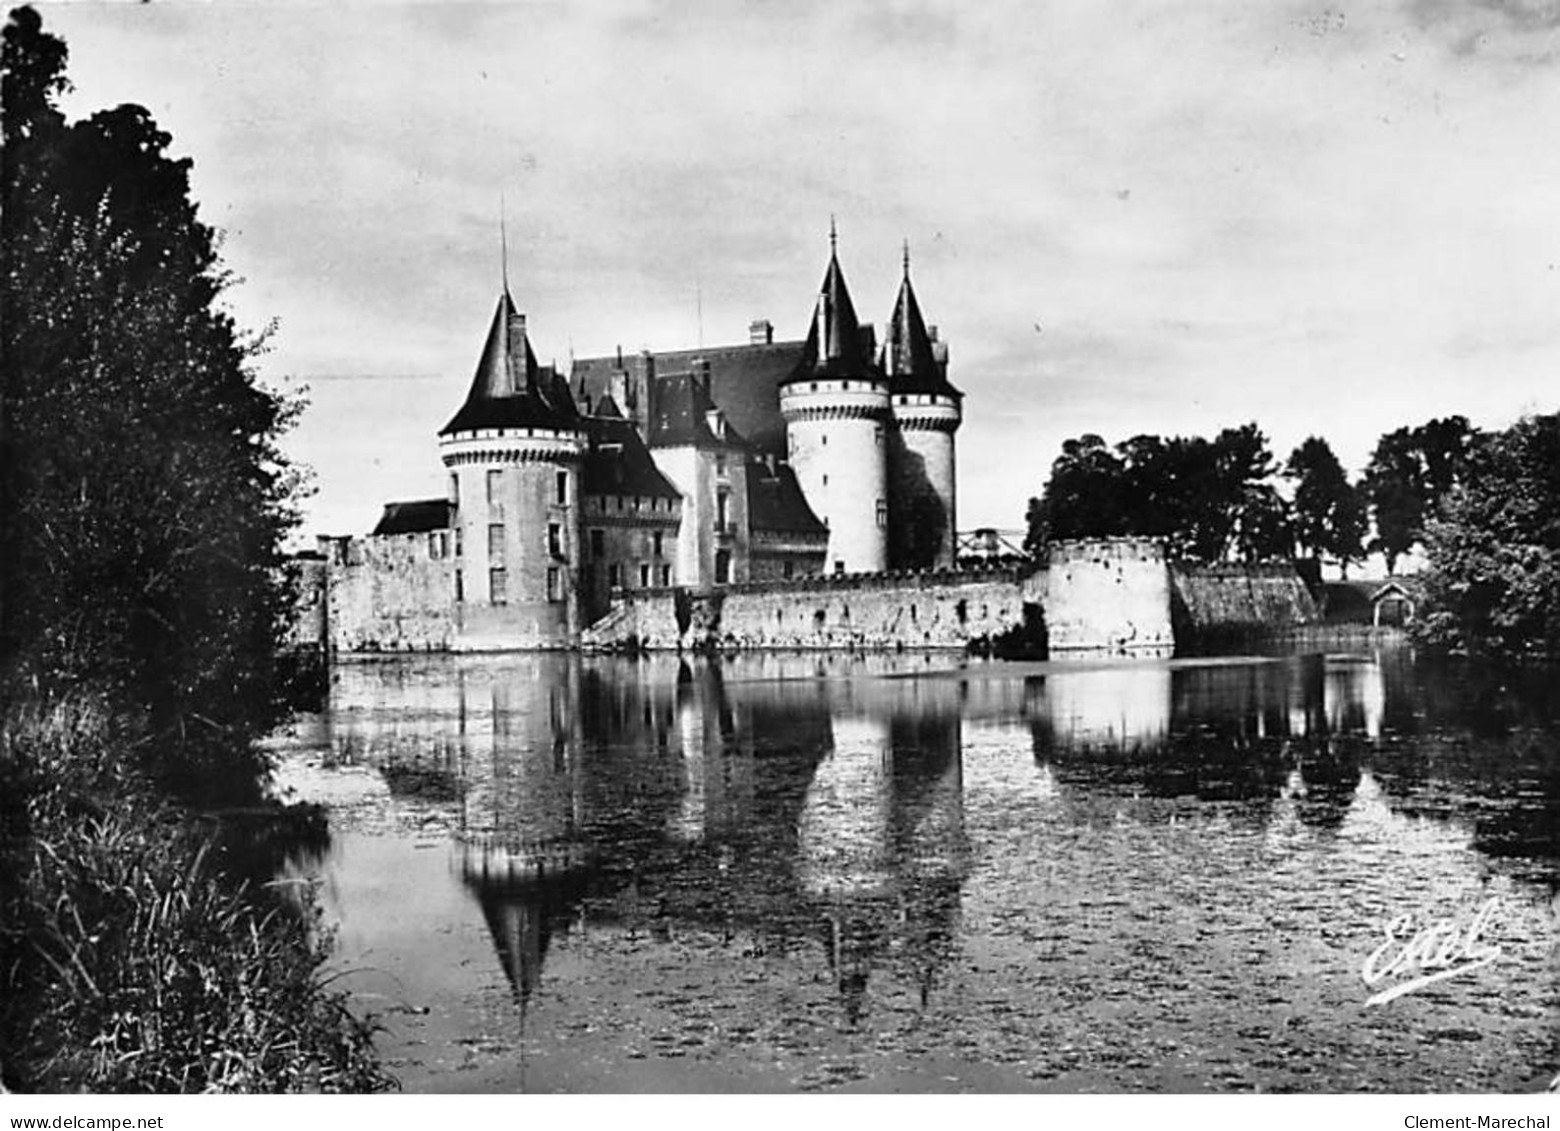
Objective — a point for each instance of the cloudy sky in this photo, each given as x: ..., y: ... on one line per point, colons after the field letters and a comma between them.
x: 1126, y: 217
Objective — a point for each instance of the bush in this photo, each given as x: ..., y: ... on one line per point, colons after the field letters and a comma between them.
x: 131, y: 964
x: 1493, y: 585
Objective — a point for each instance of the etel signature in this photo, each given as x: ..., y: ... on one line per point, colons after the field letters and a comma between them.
x: 1441, y: 949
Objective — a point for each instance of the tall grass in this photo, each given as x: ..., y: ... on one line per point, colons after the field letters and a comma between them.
x: 128, y: 961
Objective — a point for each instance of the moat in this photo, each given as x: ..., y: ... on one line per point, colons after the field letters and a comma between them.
x: 813, y: 872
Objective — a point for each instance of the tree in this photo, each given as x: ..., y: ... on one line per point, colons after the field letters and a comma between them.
x: 1493, y: 584
x: 1329, y: 518
x: 145, y: 502
x: 1082, y: 499
x: 1409, y: 473
x: 1206, y: 499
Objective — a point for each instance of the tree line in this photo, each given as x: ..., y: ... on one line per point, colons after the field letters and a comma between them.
x: 1482, y: 507
x: 1229, y: 498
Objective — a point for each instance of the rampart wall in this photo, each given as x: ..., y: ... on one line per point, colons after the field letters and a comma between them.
x: 1108, y: 593
x: 1220, y: 603
x: 860, y: 612
x: 388, y: 594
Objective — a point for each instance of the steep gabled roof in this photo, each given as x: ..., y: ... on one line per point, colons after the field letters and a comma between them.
x: 909, y: 359
x: 679, y: 416
x: 776, y: 504
x: 417, y: 516
x: 509, y: 389
x: 618, y: 462
x: 744, y: 383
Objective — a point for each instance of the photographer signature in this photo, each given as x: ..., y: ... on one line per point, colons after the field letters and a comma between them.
x: 1441, y: 949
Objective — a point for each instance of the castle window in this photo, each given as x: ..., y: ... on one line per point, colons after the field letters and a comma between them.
x: 825, y: 440
x: 722, y: 509
x: 494, y: 480
x: 555, y: 539
x: 644, y: 576
x: 722, y: 567
x: 496, y: 541
x: 825, y: 480
x: 877, y: 434
x: 787, y: 569
x: 720, y: 463
x: 433, y: 544
x: 554, y: 584
x: 459, y: 542
x: 460, y: 587
x: 498, y: 586
x: 562, y: 483
x: 839, y: 566
x: 598, y: 543
x: 882, y: 515
x: 455, y: 488
x: 656, y: 542
x: 666, y: 575
x: 615, y: 575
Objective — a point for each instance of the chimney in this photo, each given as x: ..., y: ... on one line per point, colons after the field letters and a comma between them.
x: 761, y: 332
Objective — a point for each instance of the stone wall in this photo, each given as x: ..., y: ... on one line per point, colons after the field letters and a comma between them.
x: 1225, y: 603
x: 862, y: 612
x: 1108, y: 593
x: 389, y: 594
x: 1118, y: 595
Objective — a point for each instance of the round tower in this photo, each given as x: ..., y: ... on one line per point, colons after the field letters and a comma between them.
x: 514, y: 452
x: 836, y: 412
x: 927, y: 411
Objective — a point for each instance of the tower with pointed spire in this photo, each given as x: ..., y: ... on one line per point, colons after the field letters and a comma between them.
x: 836, y: 412
x: 514, y: 453
x: 927, y: 411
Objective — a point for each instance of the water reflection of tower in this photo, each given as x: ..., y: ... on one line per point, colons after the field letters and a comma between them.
x: 521, y: 848
x: 1121, y: 710
x: 717, y: 757
x: 883, y: 848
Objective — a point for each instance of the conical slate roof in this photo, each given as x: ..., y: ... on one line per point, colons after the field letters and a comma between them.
x: 912, y: 364
x: 834, y: 341
x: 509, y: 389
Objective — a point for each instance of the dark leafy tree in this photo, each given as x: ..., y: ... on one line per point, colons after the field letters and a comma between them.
x: 1264, y: 531
x: 145, y: 502
x: 1208, y: 499
x: 1411, y: 470
x: 1082, y: 499
x: 1493, y: 584
x: 1329, y: 516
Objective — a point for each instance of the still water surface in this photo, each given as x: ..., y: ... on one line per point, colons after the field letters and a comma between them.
x: 909, y: 873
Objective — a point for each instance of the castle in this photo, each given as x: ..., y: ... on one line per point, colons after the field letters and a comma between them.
x: 694, y: 469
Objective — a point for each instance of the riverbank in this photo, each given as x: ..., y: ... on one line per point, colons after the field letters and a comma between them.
x: 142, y: 949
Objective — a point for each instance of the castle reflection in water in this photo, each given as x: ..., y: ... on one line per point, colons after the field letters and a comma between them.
x: 816, y: 806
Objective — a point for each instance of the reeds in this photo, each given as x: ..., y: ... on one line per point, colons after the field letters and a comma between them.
x: 128, y: 963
